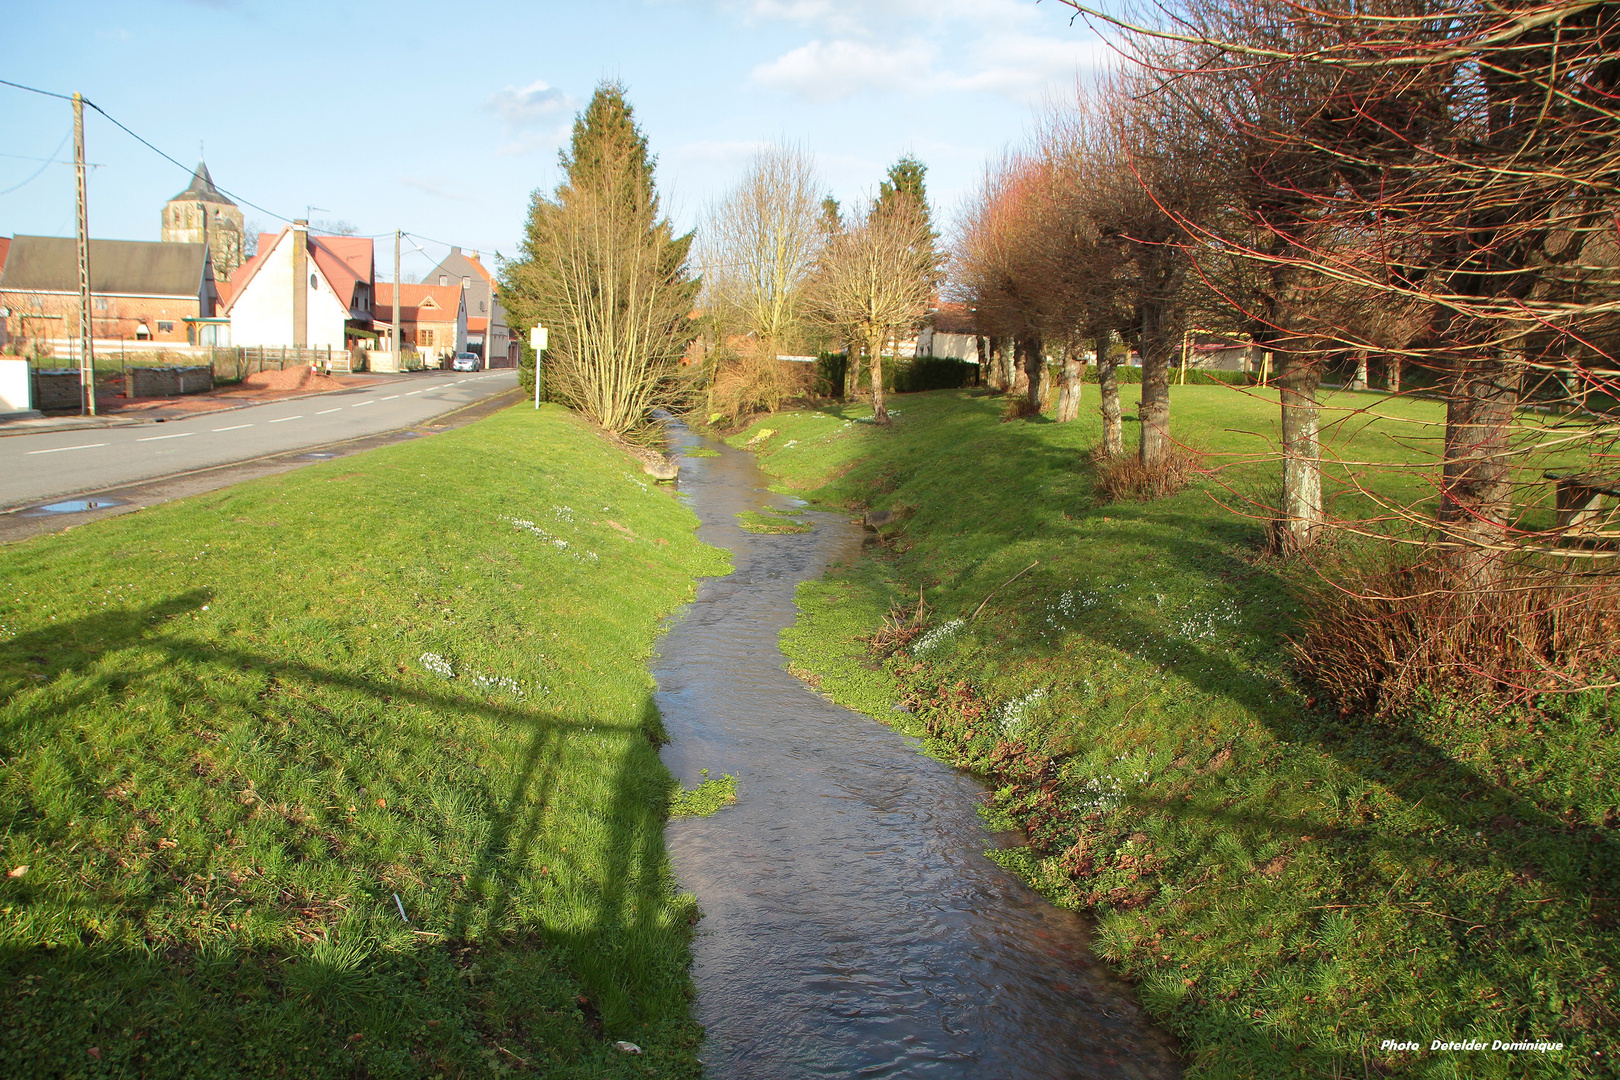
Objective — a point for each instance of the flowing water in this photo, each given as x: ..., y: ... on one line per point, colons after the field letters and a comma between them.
x: 852, y: 923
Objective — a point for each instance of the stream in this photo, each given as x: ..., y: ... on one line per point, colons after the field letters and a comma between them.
x: 852, y: 923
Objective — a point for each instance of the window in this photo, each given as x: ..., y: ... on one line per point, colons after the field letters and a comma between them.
x: 165, y: 327
x: 444, y: 279
x: 425, y: 337
x: 482, y: 306
x: 314, y: 282
x: 466, y: 283
x: 101, y: 303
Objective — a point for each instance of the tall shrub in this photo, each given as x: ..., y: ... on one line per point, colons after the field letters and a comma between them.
x: 603, y: 270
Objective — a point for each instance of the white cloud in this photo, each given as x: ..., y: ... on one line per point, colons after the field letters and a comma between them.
x: 829, y: 70
x: 528, y: 106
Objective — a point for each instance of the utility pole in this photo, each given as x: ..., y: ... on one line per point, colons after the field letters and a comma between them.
x: 399, y: 346
x: 87, y: 359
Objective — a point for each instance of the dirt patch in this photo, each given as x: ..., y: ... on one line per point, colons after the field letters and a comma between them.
x: 299, y: 378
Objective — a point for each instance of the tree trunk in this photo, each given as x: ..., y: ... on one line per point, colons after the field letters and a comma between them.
x: 1108, y: 391
x: 981, y: 351
x: 1299, y: 521
x: 1392, y: 375
x: 880, y: 411
x: 1034, y: 367
x: 1476, y: 490
x: 852, y: 373
x: 1359, y: 382
x: 996, y: 376
x: 1074, y: 372
x: 1020, y: 368
x: 1154, y: 411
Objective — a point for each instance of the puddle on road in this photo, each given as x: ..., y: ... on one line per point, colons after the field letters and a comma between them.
x: 71, y: 506
x: 852, y: 923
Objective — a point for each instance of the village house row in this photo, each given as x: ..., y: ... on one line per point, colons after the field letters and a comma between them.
x: 197, y: 287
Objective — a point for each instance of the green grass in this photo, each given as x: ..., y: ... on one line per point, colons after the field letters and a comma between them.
x: 235, y: 728
x: 771, y: 521
x: 713, y: 794
x: 1288, y: 888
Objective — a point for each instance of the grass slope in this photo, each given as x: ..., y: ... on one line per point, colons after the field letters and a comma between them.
x: 235, y: 728
x: 1289, y: 888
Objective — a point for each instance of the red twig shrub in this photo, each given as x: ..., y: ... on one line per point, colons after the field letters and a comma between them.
x: 1123, y: 476
x: 1379, y: 630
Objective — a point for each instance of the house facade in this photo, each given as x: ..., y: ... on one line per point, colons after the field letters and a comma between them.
x: 949, y: 331
x: 141, y: 293
x: 303, y: 290
x: 432, y: 320
x: 488, y: 334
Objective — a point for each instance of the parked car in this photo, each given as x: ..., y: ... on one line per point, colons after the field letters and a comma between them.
x: 465, y: 361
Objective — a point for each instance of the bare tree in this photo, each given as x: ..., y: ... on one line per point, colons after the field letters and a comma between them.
x: 759, y: 251
x: 875, y: 280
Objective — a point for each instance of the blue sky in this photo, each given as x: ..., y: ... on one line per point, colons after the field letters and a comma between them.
x: 442, y: 118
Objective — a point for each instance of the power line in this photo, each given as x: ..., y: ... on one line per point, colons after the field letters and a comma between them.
x: 125, y: 129
x: 48, y: 163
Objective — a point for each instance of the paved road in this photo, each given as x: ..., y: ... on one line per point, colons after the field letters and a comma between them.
x: 34, y: 468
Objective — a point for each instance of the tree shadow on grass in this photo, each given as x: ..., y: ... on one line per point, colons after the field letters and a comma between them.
x: 215, y: 1004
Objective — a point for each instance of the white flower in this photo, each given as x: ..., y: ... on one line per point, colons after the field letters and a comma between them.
x: 936, y: 637
x: 437, y: 664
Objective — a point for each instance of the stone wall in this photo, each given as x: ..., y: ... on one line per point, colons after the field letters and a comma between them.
x: 167, y: 381
x: 58, y: 390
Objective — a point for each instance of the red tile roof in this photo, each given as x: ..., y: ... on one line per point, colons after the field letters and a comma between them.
x: 447, y: 297
x: 5, y: 247
x: 477, y: 324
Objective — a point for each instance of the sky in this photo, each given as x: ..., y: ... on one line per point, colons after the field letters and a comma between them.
x: 441, y: 119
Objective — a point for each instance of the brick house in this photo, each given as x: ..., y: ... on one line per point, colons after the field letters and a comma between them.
x: 303, y: 290
x: 432, y: 320
x: 488, y: 334
x: 142, y: 292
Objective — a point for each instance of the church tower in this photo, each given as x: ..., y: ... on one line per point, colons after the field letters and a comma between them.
x: 202, y: 214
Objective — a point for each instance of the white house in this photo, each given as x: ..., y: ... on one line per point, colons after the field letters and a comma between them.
x: 302, y: 290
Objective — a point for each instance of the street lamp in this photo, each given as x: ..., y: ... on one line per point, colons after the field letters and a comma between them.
x: 537, y: 341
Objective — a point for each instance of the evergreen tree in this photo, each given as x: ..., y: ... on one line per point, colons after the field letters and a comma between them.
x: 605, y: 273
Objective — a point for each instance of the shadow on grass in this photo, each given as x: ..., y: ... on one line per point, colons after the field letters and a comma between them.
x: 496, y: 980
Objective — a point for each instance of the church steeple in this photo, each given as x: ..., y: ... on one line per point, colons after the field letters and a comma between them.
x: 202, y: 214
x: 202, y: 189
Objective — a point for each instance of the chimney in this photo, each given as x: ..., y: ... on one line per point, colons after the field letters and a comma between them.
x: 454, y: 250
x: 300, y: 283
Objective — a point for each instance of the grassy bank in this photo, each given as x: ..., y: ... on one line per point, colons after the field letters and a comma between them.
x: 246, y: 737
x: 1290, y: 888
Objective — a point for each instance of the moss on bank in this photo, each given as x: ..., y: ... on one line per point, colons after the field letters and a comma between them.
x: 1290, y: 889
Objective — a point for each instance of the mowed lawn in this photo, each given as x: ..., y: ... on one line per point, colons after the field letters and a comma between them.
x: 350, y: 772
x: 1291, y: 888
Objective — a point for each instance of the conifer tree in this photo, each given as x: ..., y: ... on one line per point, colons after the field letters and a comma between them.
x: 602, y: 269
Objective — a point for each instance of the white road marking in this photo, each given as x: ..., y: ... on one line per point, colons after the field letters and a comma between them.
x: 176, y: 435
x: 390, y: 397
x: 59, y: 449
x: 233, y: 427
x: 357, y: 404
x: 279, y: 419
x: 323, y: 412
x: 413, y: 392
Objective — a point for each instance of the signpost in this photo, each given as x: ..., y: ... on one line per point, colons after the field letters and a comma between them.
x: 537, y: 341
